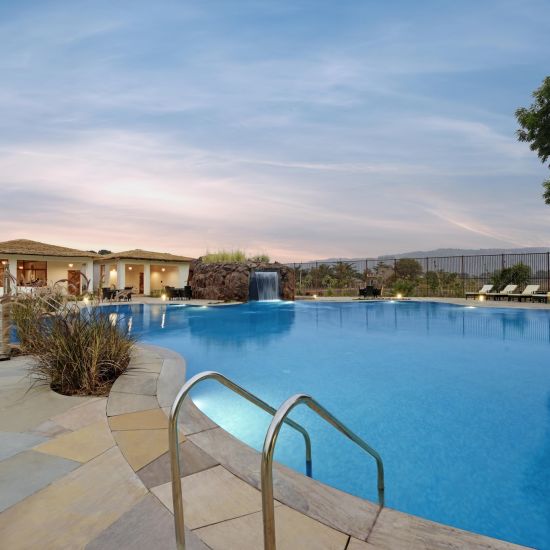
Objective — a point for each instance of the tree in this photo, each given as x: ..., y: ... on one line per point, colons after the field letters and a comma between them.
x: 519, y: 274
x: 407, y: 268
x: 535, y: 127
x: 345, y: 274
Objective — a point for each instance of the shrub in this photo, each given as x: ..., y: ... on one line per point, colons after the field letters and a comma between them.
x: 404, y: 287
x: 77, y: 352
x: 225, y: 257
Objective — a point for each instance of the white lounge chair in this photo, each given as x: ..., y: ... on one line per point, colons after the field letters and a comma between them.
x: 484, y: 290
x: 508, y: 289
x: 528, y: 292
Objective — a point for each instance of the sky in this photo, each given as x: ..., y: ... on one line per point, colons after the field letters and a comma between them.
x: 301, y: 129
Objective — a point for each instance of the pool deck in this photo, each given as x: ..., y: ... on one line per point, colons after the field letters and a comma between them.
x: 81, y: 472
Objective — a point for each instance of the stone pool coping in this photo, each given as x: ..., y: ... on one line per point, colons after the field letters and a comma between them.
x: 319, y: 515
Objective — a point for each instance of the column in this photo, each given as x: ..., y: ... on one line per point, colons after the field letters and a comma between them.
x: 97, y: 276
x: 147, y: 279
x: 12, y: 263
x: 89, y: 272
x: 120, y: 274
x: 183, y: 275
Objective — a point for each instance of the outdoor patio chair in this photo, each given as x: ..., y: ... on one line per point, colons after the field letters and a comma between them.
x: 369, y: 292
x: 124, y: 295
x: 483, y: 290
x: 508, y: 289
x: 170, y: 292
x: 187, y: 292
x: 528, y: 292
x: 107, y: 293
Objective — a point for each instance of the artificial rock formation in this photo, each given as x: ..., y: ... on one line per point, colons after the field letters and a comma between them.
x: 231, y: 281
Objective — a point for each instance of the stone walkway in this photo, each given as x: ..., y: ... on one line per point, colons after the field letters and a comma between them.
x: 94, y: 473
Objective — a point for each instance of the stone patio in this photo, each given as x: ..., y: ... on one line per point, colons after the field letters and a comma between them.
x: 94, y: 473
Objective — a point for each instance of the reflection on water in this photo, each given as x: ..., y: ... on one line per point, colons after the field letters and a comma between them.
x: 261, y: 323
x: 255, y: 323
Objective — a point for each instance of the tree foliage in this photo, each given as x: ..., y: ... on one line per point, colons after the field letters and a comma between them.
x: 408, y: 269
x: 519, y: 274
x: 535, y: 127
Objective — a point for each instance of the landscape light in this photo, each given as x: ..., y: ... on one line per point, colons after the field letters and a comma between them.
x: 163, y: 297
x: 481, y: 298
x: 315, y: 296
x: 399, y: 296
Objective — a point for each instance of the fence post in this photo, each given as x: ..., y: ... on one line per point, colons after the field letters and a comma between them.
x: 548, y: 272
x: 426, y: 277
x: 462, y: 275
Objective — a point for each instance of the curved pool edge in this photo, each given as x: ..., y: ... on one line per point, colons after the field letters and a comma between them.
x: 349, y: 515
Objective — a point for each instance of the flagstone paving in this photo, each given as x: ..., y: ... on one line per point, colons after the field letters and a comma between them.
x: 140, y: 447
x: 95, y: 473
x: 81, y: 445
x: 27, y: 472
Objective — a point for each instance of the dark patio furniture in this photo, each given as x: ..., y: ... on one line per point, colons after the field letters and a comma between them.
x: 540, y: 297
x: 124, y: 294
x: 369, y: 292
x: 108, y: 293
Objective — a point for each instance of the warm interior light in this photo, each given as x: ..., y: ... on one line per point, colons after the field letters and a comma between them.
x: 163, y: 269
x: 20, y: 267
x: 130, y: 268
x: 70, y: 265
x: 4, y: 262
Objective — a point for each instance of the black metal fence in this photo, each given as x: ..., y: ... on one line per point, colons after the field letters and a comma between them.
x: 444, y: 276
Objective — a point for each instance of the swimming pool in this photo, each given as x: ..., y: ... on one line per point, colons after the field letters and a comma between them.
x: 456, y: 399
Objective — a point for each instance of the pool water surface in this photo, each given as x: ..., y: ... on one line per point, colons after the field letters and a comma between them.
x: 455, y: 399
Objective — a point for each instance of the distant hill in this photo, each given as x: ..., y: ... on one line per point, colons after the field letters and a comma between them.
x: 465, y: 252
x: 440, y: 252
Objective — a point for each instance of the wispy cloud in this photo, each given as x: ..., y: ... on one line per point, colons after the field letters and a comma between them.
x: 292, y: 128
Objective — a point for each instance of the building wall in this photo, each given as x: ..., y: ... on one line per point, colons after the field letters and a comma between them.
x: 132, y: 276
x: 57, y: 268
x: 175, y: 275
x: 160, y: 279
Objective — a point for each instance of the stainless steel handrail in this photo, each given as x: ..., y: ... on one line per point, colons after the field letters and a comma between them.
x: 268, y: 509
x: 174, y: 440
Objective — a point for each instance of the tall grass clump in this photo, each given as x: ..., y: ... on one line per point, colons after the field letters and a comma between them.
x: 79, y: 352
x: 260, y: 258
x: 225, y: 257
x: 233, y: 257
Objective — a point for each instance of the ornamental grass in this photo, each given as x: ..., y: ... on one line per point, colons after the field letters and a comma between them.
x: 78, y: 351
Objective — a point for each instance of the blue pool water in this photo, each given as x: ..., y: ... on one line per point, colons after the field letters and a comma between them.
x: 456, y: 400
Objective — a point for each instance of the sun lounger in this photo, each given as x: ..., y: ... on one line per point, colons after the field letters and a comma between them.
x: 526, y: 294
x: 508, y: 289
x: 484, y: 290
